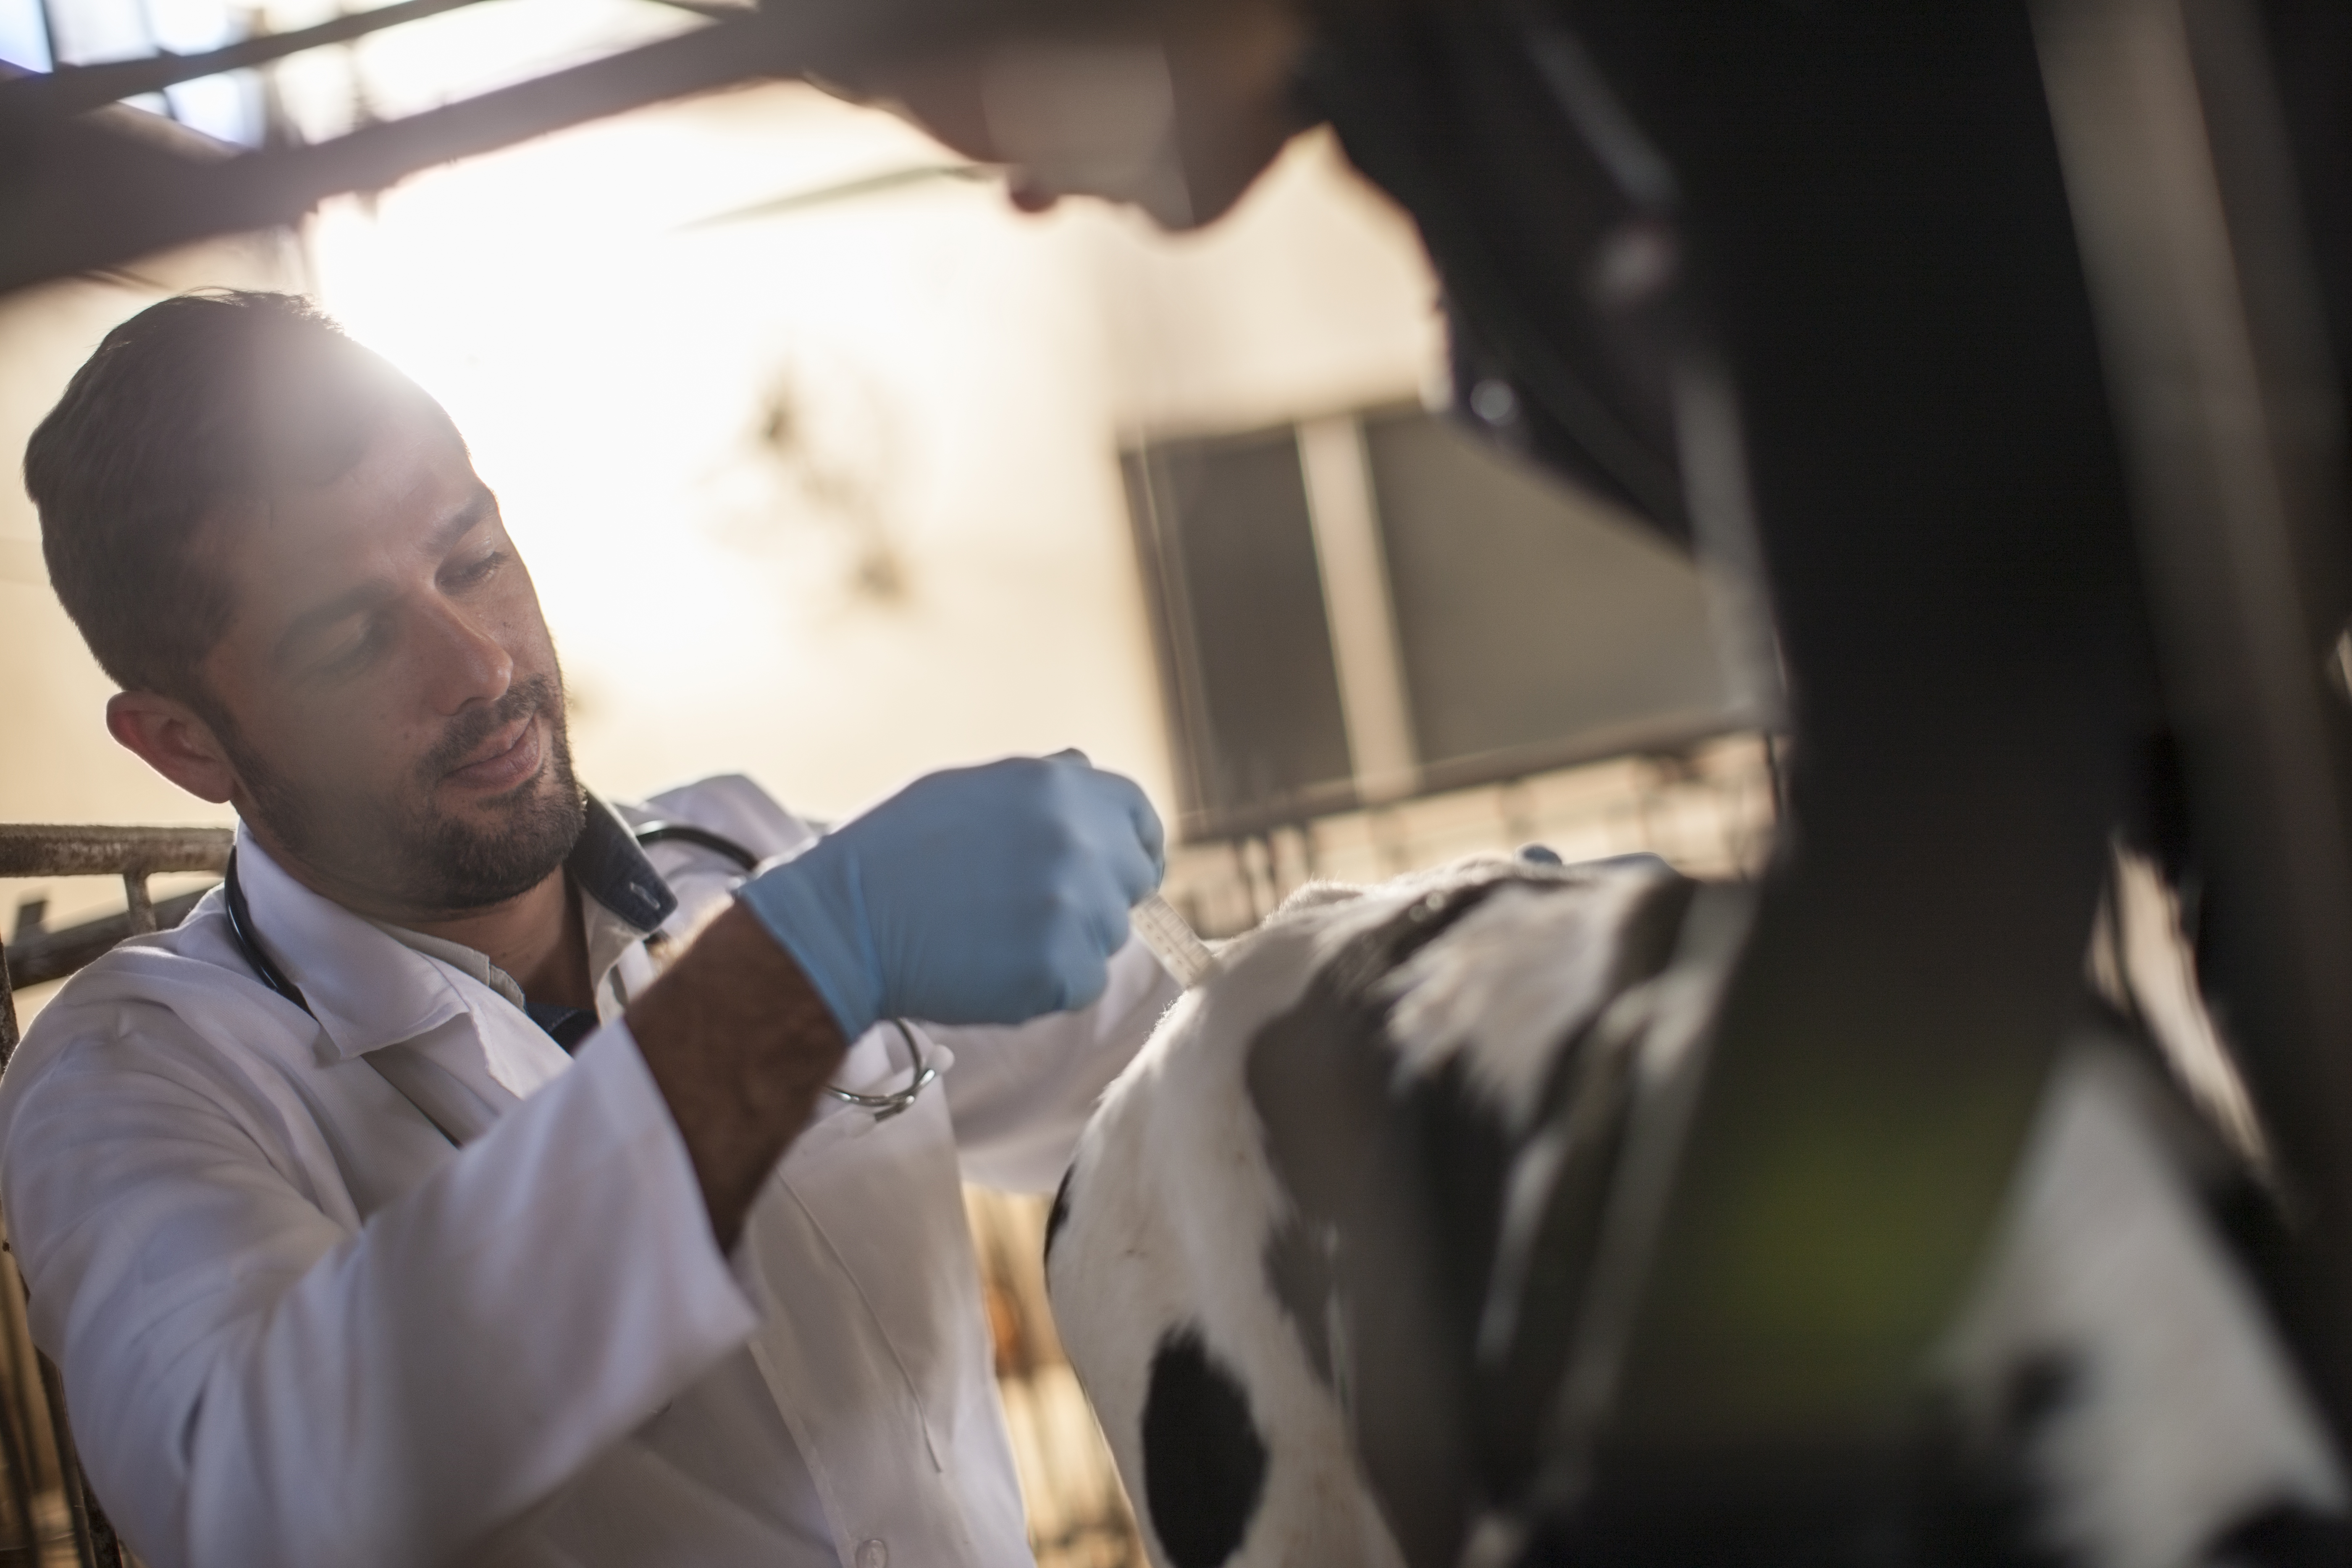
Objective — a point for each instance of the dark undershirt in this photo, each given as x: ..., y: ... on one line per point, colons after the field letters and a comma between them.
x: 567, y: 1027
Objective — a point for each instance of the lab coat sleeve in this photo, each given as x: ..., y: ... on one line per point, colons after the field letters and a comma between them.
x: 255, y: 1381
x: 1021, y: 1096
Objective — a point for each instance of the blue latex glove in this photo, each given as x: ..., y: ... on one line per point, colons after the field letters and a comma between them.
x: 987, y: 895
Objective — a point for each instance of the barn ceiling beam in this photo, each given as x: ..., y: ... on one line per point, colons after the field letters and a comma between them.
x: 72, y: 89
x: 80, y: 194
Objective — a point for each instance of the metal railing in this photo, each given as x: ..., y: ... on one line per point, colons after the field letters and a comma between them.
x: 48, y: 1512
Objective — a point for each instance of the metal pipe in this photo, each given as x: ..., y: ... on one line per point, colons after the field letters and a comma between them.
x: 42, y: 850
x: 43, y: 955
x: 136, y: 904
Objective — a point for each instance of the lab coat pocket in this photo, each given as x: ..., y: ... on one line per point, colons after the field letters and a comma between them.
x: 883, y: 1199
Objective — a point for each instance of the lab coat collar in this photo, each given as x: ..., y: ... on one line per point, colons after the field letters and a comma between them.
x: 607, y: 866
x: 367, y: 988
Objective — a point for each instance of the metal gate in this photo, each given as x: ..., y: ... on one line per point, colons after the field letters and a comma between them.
x: 47, y: 1513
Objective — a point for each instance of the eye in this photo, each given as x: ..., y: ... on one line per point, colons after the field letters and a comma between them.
x: 360, y: 653
x: 477, y: 571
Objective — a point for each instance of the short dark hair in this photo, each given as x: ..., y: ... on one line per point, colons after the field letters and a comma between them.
x: 192, y: 406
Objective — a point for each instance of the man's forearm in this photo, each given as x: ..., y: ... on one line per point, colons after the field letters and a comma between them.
x: 739, y: 1043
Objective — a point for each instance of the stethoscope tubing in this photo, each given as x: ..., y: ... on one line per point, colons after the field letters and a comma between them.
x: 881, y: 1106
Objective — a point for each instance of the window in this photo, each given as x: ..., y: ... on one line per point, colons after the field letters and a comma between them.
x: 1376, y: 606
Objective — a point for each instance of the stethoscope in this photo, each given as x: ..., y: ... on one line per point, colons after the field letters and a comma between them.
x: 882, y: 1106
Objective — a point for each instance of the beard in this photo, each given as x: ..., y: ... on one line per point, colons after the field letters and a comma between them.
x: 402, y: 851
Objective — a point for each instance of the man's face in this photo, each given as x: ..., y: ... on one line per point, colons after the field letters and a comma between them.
x: 394, y: 709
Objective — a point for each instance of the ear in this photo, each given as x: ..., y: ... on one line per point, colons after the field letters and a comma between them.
x: 169, y: 737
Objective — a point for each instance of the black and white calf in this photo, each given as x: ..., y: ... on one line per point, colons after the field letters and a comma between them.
x: 1314, y: 1259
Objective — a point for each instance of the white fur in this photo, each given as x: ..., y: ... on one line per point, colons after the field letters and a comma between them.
x: 2185, y: 1417
x: 1130, y: 1265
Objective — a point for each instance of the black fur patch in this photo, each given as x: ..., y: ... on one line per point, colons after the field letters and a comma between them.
x: 1397, y: 1191
x: 1587, y: 1099
x: 1977, y: 1497
x: 1516, y: 1386
x: 1392, y: 1195
x: 2285, y: 1535
x: 1204, y: 1462
x: 1059, y: 1214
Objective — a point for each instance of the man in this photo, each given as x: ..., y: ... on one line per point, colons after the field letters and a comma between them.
x: 419, y: 1199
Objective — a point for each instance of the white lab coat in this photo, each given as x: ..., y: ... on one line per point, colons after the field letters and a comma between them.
x: 298, y: 1326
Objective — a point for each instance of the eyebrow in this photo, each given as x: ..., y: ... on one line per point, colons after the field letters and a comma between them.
x: 462, y: 522
x: 467, y: 516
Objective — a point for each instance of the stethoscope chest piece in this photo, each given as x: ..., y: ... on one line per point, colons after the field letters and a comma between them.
x: 886, y: 1106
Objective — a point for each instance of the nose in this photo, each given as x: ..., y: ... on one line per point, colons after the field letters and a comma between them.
x: 465, y: 660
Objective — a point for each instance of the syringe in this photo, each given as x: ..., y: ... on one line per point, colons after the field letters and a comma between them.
x: 1172, y: 940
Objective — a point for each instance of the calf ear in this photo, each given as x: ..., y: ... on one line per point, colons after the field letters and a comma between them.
x: 1203, y: 1461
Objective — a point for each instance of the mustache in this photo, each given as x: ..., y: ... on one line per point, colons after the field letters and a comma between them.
x: 469, y: 730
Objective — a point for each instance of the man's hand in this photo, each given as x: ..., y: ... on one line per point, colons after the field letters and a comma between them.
x: 987, y: 895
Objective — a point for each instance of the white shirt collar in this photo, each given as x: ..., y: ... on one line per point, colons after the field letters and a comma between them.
x: 456, y: 953
x: 609, y: 938
x: 372, y: 985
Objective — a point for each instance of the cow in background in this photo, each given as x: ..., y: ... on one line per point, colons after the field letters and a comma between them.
x: 1322, y: 1255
